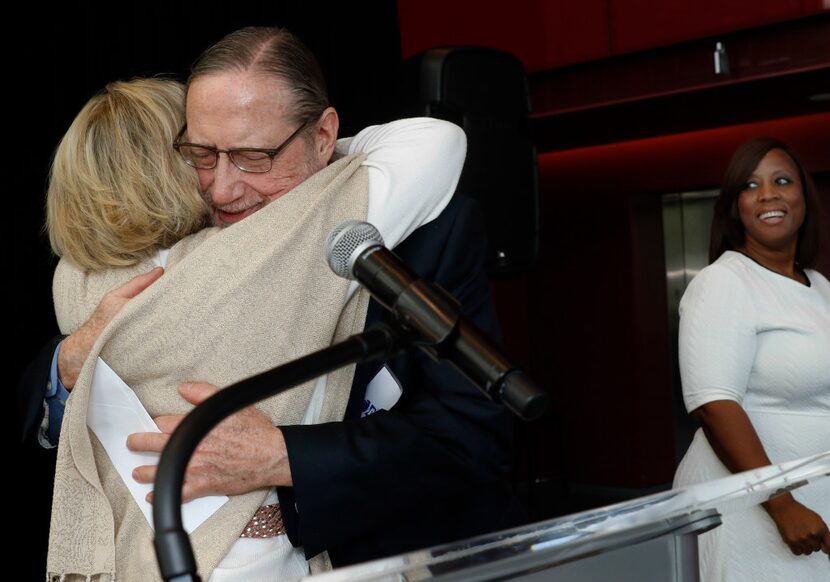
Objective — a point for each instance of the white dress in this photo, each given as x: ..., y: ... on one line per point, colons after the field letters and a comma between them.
x: 758, y: 338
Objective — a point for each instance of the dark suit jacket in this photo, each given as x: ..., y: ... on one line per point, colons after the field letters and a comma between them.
x: 431, y: 470
x: 434, y: 468
x: 32, y: 389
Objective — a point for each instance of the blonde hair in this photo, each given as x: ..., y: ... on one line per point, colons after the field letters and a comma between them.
x: 117, y: 190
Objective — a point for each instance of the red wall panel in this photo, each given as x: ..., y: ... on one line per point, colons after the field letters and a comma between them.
x: 682, y: 161
x: 641, y: 24
x: 541, y: 33
x: 575, y: 31
x: 546, y: 34
x: 517, y: 27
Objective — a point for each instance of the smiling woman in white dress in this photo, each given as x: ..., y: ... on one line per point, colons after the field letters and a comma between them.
x: 754, y: 349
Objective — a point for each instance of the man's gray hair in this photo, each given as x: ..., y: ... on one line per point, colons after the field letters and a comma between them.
x: 271, y: 51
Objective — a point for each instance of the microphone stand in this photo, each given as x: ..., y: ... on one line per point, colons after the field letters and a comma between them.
x: 425, y: 316
x: 173, y: 550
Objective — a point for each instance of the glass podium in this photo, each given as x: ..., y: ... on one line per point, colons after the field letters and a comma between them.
x: 650, y: 538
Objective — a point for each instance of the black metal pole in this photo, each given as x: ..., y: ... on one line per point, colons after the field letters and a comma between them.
x: 173, y: 550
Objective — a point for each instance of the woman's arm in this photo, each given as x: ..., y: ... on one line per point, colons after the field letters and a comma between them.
x: 414, y: 166
x: 735, y: 442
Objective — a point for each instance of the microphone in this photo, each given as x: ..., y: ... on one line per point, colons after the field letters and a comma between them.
x: 355, y: 251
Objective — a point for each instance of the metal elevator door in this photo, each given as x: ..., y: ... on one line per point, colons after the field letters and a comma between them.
x: 687, y: 218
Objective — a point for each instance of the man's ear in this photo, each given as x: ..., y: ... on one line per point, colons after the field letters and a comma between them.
x: 325, y: 134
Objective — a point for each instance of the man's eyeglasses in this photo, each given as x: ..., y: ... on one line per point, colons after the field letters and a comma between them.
x: 257, y: 160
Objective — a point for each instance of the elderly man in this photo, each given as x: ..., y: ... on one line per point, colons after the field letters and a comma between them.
x: 430, y: 469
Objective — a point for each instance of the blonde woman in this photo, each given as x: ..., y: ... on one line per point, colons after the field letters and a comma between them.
x: 117, y: 196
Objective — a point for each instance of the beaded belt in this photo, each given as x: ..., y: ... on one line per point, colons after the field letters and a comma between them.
x: 266, y: 523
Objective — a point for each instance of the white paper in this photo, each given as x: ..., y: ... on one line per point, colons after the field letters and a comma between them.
x: 115, y: 413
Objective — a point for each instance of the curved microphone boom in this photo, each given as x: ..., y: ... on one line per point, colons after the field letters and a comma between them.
x: 355, y: 251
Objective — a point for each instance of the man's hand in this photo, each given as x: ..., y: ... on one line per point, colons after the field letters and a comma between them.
x: 243, y: 453
x: 77, y: 346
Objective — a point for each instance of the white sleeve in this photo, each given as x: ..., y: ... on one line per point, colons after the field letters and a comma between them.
x: 717, y: 338
x: 414, y: 166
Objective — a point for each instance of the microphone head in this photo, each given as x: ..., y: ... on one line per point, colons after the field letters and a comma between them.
x: 347, y: 242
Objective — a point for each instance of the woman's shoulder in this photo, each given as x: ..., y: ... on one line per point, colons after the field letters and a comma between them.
x: 68, y: 275
x: 736, y: 263
x: 725, y: 281
x: 76, y: 292
x: 728, y: 269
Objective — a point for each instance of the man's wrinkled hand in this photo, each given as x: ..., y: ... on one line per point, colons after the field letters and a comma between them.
x: 243, y: 453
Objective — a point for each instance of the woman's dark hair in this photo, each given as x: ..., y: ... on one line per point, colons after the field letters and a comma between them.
x: 728, y: 230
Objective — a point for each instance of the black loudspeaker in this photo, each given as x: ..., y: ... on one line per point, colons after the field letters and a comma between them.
x: 485, y: 92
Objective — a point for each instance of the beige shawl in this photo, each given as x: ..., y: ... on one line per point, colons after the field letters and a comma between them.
x: 239, y: 301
